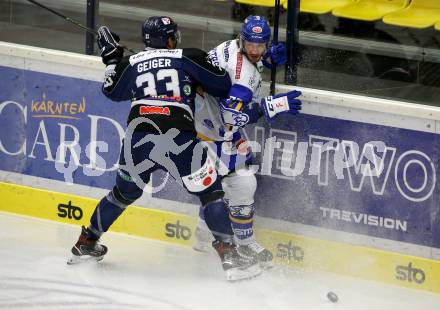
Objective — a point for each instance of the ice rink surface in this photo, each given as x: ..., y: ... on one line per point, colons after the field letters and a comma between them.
x: 147, y: 274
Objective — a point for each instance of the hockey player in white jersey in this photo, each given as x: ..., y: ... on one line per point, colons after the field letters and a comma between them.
x: 220, y: 120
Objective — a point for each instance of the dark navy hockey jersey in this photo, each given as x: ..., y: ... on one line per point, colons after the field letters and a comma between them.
x: 161, y: 83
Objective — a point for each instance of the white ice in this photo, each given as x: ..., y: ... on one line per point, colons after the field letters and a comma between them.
x: 147, y: 274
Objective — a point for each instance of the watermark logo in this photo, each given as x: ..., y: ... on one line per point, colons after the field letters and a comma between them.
x: 372, y: 166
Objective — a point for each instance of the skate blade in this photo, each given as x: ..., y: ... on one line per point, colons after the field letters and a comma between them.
x: 237, y: 274
x: 74, y: 260
x: 204, y: 248
x: 267, y: 265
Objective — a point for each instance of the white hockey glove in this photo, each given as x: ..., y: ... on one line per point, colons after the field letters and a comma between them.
x: 111, y: 51
x: 281, y: 104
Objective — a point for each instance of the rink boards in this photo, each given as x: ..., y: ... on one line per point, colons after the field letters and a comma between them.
x: 347, y: 187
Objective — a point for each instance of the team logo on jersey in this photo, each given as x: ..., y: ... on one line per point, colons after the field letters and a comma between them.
x: 187, y: 89
x: 240, y: 119
x: 257, y: 29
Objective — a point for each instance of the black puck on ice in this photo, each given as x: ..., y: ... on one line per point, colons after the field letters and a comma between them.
x: 332, y: 297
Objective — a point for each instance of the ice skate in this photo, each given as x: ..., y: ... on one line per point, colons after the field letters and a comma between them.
x: 258, y: 252
x: 87, y: 248
x: 236, y: 267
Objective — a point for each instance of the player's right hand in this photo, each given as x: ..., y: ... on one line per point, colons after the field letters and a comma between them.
x: 111, y: 51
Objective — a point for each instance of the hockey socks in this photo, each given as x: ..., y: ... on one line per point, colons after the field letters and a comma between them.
x: 217, y: 218
x: 106, y: 213
x: 242, y: 221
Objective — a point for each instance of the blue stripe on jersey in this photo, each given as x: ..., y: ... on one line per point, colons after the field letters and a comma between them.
x: 241, y: 92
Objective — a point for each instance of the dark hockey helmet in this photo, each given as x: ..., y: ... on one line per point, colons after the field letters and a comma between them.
x: 157, y: 29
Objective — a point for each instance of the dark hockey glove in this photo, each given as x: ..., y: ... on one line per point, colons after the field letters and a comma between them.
x: 280, y: 104
x: 115, y: 36
x: 111, y: 51
x: 277, y: 54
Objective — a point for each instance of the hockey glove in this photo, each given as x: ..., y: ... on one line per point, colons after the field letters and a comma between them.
x: 277, y: 54
x: 111, y: 51
x: 232, y: 115
x: 115, y: 36
x: 280, y: 104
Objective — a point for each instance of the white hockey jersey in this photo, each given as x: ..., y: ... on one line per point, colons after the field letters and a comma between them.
x: 209, y: 124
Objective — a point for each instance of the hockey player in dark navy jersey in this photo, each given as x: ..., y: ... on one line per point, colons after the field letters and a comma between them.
x: 161, y: 84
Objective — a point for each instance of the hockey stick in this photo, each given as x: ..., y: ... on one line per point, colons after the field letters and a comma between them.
x: 276, y: 22
x: 64, y: 16
x: 90, y: 30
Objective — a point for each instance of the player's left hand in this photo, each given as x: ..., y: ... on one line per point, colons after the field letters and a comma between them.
x: 111, y: 51
x: 277, y: 54
x: 280, y: 104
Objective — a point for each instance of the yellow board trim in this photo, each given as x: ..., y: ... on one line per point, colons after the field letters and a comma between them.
x: 290, y: 250
x: 142, y: 222
x: 351, y: 260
